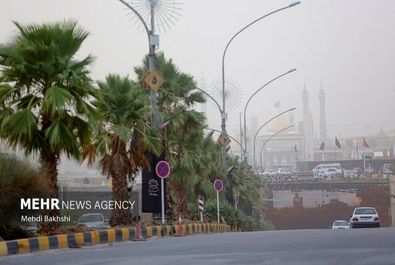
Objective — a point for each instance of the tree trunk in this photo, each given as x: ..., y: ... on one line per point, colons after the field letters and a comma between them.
x: 120, y: 194
x: 49, y: 167
x: 169, y: 207
x: 182, y: 206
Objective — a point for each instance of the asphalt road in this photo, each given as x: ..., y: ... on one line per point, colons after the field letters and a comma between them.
x: 314, y: 247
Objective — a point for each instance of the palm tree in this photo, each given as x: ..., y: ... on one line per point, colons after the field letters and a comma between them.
x: 176, y: 99
x: 208, y: 166
x: 45, y: 93
x: 247, y: 187
x: 123, y: 137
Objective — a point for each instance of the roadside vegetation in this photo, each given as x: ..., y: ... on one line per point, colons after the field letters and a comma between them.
x: 50, y: 106
x: 18, y: 179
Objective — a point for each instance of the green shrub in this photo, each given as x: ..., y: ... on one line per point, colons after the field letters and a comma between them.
x: 18, y: 179
x: 228, y: 214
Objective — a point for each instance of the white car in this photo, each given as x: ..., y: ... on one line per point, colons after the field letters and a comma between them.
x: 387, y: 169
x: 364, y: 217
x: 326, y: 173
x: 93, y: 220
x: 340, y: 224
x: 350, y: 173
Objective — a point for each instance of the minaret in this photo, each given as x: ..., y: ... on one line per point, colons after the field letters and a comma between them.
x: 305, y: 98
x: 308, y: 129
x: 323, y: 132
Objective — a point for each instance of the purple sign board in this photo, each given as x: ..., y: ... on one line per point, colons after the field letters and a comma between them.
x: 218, y: 185
x: 162, y: 169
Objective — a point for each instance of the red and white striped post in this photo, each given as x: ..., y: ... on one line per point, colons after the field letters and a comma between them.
x: 201, y: 208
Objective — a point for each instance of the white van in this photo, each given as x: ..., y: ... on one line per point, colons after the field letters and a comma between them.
x: 321, y: 167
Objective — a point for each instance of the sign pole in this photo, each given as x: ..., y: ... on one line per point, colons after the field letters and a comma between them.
x: 218, y: 206
x: 218, y: 186
x: 162, y: 191
x: 163, y: 171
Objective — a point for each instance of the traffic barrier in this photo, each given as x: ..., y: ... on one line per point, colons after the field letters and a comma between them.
x: 180, y: 228
x: 112, y: 235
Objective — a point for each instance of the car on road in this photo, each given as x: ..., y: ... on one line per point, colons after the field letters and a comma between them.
x: 340, y: 224
x: 93, y: 220
x: 364, y: 217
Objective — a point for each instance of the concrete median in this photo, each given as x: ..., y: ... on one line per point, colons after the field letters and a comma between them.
x: 113, y: 235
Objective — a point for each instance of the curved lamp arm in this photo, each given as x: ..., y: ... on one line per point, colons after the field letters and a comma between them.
x: 260, y: 128
x: 271, y: 137
x: 138, y: 15
x: 240, y: 31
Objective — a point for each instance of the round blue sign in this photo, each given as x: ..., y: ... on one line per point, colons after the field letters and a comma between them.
x: 218, y: 185
x: 162, y: 169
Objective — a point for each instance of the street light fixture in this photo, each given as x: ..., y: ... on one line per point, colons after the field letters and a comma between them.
x: 248, y: 101
x: 231, y: 137
x: 256, y: 134
x: 223, y: 111
x: 271, y: 137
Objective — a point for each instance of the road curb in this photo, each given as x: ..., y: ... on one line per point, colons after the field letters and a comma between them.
x: 113, y: 235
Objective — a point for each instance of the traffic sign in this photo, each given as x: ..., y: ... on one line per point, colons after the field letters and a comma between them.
x: 153, y: 79
x: 224, y: 140
x: 218, y: 185
x: 162, y: 169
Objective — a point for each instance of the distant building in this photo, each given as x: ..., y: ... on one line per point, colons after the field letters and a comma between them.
x: 281, y: 149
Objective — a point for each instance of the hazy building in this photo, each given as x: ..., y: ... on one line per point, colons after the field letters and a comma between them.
x: 279, y: 149
x: 283, y: 149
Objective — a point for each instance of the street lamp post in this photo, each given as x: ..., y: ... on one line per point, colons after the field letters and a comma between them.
x: 153, y: 42
x: 260, y: 128
x: 271, y: 137
x: 248, y: 101
x: 223, y: 112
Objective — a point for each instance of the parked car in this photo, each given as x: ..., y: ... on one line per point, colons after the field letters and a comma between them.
x: 364, y: 217
x: 331, y: 172
x: 358, y: 170
x: 340, y: 224
x: 350, y: 173
x: 320, y: 167
x: 95, y: 220
x: 273, y: 172
x: 387, y: 169
x: 327, y: 173
x: 30, y: 226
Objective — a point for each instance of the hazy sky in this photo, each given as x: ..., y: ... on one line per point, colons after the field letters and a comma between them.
x: 348, y: 45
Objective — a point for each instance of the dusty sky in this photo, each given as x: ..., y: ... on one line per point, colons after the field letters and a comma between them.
x: 348, y: 45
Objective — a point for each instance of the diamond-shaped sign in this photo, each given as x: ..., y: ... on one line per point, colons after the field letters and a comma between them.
x: 224, y: 140
x: 153, y: 79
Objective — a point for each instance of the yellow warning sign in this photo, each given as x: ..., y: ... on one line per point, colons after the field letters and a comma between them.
x: 153, y: 79
x: 224, y: 140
